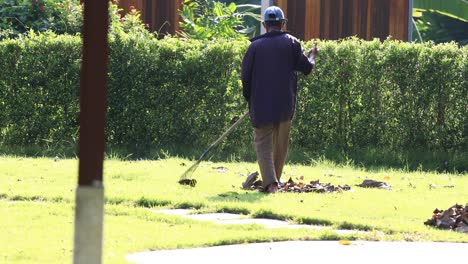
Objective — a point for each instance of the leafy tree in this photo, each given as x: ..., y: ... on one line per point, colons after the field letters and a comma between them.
x: 457, y: 9
x: 209, y: 19
x: 440, y: 28
x: 442, y: 20
x: 20, y: 16
x: 249, y: 21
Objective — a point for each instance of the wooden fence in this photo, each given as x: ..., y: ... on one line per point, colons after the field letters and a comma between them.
x: 161, y: 15
x: 335, y: 19
x: 324, y: 19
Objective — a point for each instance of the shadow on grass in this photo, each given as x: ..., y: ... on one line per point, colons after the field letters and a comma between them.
x: 284, y: 217
x: 233, y: 210
x: 377, y: 159
x: 151, y: 202
x: 33, y: 198
x: 370, y: 158
x: 241, y: 196
x: 252, y: 196
x: 351, y: 226
x: 249, y: 197
x: 330, y: 236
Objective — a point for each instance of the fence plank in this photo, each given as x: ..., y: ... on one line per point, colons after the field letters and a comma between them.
x: 160, y: 15
x: 399, y: 19
x: 326, y: 19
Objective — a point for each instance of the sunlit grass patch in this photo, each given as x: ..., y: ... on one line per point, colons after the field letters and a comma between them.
x: 37, y: 197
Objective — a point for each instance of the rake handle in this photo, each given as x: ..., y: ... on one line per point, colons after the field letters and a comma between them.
x: 214, y: 144
x: 227, y: 132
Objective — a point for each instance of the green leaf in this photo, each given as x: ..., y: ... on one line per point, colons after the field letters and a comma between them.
x: 453, y: 8
x: 232, y: 7
x: 218, y: 10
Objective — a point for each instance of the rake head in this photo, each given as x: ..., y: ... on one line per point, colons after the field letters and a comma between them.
x: 190, y: 182
x: 186, y: 178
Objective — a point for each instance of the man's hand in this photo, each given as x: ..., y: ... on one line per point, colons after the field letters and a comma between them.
x: 313, y: 52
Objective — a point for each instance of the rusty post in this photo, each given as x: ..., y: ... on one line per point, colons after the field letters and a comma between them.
x: 90, y: 191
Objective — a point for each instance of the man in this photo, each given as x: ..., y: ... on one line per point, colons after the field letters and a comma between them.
x: 269, y: 80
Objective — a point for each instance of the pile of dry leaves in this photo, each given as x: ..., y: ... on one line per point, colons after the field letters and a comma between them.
x: 252, y: 183
x: 374, y: 184
x: 454, y: 218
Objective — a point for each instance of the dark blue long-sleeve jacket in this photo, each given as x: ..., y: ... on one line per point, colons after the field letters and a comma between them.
x: 269, y: 77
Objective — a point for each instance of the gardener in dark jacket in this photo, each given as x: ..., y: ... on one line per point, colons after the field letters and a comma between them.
x: 269, y: 80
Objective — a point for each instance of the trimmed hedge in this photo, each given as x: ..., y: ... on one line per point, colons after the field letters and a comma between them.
x: 39, y: 90
x: 389, y: 94
x: 185, y: 93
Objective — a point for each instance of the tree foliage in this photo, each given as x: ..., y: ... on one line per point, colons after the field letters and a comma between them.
x: 440, y: 28
x: 209, y: 19
x: 442, y: 20
x: 457, y: 9
x: 20, y: 16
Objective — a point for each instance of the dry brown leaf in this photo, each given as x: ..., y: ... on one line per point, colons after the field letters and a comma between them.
x: 345, y: 242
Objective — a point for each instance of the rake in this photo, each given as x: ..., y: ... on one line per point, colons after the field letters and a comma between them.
x: 186, y: 178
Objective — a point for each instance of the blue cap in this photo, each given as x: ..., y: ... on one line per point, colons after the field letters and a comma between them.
x: 273, y: 13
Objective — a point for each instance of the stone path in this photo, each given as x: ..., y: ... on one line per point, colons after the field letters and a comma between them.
x: 237, y: 219
x: 362, y: 252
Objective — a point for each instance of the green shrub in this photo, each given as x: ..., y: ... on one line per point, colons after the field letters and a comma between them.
x: 21, y: 16
x: 167, y: 91
x: 390, y: 94
x: 173, y: 92
x: 39, y: 84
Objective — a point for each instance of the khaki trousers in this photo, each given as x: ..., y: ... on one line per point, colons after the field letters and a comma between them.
x: 271, y: 144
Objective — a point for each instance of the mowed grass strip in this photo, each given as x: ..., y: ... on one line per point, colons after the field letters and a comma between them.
x: 37, y: 202
x: 42, y: 232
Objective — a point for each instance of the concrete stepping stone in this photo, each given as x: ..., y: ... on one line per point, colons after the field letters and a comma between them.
x: 237, y: 219
x: 179, y: 212
x: 214, y: 217
x: 269, y: 223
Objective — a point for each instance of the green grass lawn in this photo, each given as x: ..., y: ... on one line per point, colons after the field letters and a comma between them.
x: 37, y: 206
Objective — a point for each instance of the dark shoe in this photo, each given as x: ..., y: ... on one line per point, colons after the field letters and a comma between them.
x: 272, y: 188
x: 250, y: 180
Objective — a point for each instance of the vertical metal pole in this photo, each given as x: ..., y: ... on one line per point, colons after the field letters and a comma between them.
x: 265, y: 5
x: 410, y: 21
x: 90, y: 191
